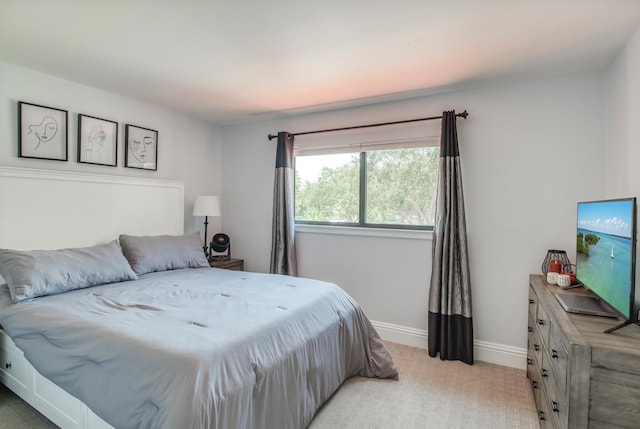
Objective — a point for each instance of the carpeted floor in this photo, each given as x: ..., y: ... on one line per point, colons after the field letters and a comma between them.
x: 433, y: 394
x: 430, y: 394
x: 16, y: 414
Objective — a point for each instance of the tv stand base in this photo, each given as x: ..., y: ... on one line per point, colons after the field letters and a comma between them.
x: 622, y: 325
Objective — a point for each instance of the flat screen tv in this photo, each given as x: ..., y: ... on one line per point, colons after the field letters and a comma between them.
x: 606, y: 258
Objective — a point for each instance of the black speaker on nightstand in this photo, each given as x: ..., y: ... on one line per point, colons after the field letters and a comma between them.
x: 220, y: 243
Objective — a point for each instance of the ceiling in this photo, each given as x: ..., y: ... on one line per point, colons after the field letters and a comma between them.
x: 226, y: 61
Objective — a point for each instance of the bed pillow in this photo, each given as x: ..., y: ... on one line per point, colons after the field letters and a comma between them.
x: 148, y: 254
x: 34, y: 273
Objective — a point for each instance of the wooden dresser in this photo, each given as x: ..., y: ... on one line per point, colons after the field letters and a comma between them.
x: 581, y: 377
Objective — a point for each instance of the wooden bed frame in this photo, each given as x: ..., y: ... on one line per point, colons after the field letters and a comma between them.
x: 46, y: 209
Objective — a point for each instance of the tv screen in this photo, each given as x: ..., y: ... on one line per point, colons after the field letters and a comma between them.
x: 606, y: 251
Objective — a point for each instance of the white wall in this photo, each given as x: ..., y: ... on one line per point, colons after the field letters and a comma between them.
x: 622, y: 126
x: 524, y: 149
x: 188, y: 150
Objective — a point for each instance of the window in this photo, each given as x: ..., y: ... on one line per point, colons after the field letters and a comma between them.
x: 328, y: 188
x: 380, y: 186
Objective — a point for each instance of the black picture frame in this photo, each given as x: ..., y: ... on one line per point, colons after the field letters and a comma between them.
x: 42, y: 132
x: 97, y: 141
x: 141, y: 148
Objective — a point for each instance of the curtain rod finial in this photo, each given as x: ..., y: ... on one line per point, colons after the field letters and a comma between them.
x: 272, y: 136
x: 464, y: 114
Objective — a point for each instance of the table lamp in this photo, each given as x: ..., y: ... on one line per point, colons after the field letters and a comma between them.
x: 206, y: 205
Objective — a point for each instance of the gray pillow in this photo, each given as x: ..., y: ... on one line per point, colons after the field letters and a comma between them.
x: 148, y: 254
x: 34, y: 273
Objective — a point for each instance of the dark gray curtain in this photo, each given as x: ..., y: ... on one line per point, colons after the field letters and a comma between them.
x: 283, y: 247
x: 450, y: 322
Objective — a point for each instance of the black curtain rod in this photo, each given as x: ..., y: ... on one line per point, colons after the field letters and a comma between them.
x: 462, y: 115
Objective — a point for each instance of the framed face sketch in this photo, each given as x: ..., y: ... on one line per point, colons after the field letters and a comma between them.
x: 43, y: 132
x: 97, y: 141
x: 141, y: 148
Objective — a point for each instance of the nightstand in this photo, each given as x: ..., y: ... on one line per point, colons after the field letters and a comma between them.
x: 228, y: 264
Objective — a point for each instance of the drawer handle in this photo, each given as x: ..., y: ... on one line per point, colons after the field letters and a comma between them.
x: 531, y: 301
x: 541, y: 415
x: 529, y: 328
x: 544, y: 373
x: 7, y: 365
x: 541, y: 322
x: 536, y: 347
x: 529, y: 361
x: 554, y: 354
x: 554, y: 407
x: 534, y: 384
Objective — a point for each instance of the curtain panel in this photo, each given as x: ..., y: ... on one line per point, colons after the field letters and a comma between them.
x: 450, y: 324
x: 283, y: 248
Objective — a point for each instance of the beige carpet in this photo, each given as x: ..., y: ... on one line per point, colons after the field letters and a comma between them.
x: 16, y: 414
x: 430, y: 394
x: 433, y: 394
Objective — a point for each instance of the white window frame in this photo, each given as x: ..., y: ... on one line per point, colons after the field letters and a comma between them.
x: 403, y: 137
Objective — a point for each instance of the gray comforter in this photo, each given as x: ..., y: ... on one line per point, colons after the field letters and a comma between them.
x: 200, y: 348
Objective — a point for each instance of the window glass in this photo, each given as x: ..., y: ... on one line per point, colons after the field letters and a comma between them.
x: 401, y: 186
x: 327, y: 188
x: 393, y: 188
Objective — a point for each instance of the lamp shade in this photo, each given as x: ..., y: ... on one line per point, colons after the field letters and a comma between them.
x: 206, y: 205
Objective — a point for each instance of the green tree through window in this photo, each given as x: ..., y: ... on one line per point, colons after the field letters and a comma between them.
x: 390, y: 188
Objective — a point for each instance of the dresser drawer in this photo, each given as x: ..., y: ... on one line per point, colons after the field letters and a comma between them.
x: 558, y: 355
x: 542, y: 409
x: 46, y: 397
x: 14, y: 368
x: 7, y: 343
x: 64, y: 409
x: 543, y: 324
x: 555, y: 400
x: 533, y: 304
x: 533, y: 311
x: 531, y: 358
x: 228, y: 264
x: 545, y: 415
x: 535, y: 345
x: 557, y: 404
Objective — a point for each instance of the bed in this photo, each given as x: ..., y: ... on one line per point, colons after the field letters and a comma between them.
x: 157, y: 339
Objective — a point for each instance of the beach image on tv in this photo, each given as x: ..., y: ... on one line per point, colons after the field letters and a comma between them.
x: 604, y: 250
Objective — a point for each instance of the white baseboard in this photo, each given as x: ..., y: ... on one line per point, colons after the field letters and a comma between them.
x: 500, y: 354
x: 484, y: 351
x: 401, y: 334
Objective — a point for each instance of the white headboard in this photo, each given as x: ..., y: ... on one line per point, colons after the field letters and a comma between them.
x: 46, y: 209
